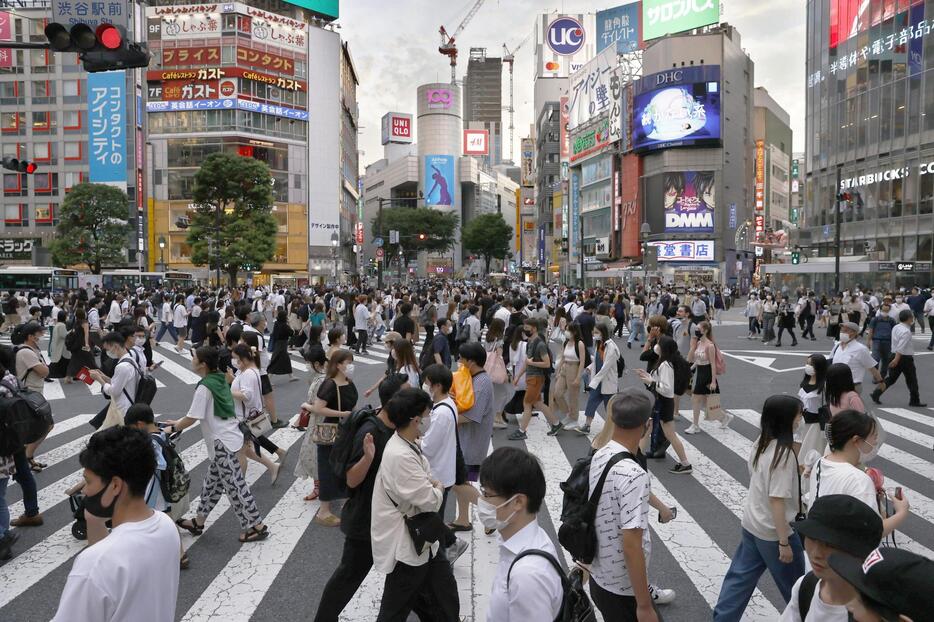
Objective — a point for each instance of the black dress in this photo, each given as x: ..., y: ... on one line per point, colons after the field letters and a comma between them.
x: 81, y: 358
x: 279, y: 362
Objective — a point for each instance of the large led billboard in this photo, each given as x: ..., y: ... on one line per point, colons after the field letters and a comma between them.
x: 677, y: 108
x: 848, y: 18
x: 662, y: 17
x: 324, y: 8
x: 690, y: 201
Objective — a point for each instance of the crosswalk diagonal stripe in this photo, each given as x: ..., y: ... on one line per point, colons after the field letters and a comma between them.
x: 185, y: 375
x: 925, y: 420
x: 67, y: 425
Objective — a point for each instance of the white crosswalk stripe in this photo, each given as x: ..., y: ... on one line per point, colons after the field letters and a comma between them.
x: 246, y: 575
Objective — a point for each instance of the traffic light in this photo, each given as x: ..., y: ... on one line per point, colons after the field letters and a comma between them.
x: 20, y: 166
x: 103, y: 49
x: 795, y: 258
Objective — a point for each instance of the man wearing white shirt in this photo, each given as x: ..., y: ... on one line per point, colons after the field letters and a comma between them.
x: 166, y: 318
x: 122, y: 386
x: 180, y: 321
x: 527, y: 585
x: 361, y: 317
x: 504, y: 312
x: 903, y: 362
x: 132, y: 572
x: 852, y: 353
x: 929, y: 314
x: 114, y: 315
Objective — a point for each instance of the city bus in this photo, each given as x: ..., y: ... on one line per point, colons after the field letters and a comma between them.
x: 30, y: 278
x: 119, y: 279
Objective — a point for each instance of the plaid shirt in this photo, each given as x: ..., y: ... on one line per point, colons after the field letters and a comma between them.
x: 7, y: 384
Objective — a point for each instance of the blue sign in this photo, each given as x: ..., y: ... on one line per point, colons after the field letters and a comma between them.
x: 541, y: 246
x: 439, y: 181
x: 677, y: 108
x: 91, y: 13
x: 826, y: 231
x: 619, y: 25
x: 565, y: 36
x: 574, y: 242
x: 226, y: 104
x: 732, y: 215
x: 107, y: 127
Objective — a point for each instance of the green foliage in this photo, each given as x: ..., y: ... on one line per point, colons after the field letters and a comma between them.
x: 489, y: 236
x: 438, y: 228
x: 93, y: 227
x: 240, y: 190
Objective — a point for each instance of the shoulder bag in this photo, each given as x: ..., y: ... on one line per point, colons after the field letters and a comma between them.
x: 257, y: 420
x: 323, y: 433
x: 496, y: 367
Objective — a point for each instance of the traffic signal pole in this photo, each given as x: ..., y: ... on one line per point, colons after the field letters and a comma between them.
x: 380, y: 260
x: 836, y: 235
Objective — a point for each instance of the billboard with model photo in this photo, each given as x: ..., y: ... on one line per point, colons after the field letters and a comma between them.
x: 676, y: 108
x: 690, y: 199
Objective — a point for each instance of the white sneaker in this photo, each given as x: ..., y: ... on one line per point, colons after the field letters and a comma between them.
x: 692, y: 429
x: 660, y: 595
x: 570, y: 424
x: 727, y: 418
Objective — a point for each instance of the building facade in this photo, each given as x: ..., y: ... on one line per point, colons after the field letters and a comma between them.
x: 870, y: 125
x: 483, y: 100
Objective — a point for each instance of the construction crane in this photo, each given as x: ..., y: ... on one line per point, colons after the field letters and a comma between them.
x: 448, y: 45
x: 509, y: 58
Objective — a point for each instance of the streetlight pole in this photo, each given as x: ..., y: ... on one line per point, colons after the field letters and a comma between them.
x: 162, y: 251
x: 836, y: 235
x: 644, y: 232
x: 217, y: 245
x: 335, y: 240
x: 380, y: 260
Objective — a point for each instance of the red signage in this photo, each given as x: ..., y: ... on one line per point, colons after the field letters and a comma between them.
x: 760, y: 175
x: 179, y: 89
x: 630, y: 206
x: 214, y: 73
x: 265, y: 60
x: 245, y: 150
x: 181, y: 57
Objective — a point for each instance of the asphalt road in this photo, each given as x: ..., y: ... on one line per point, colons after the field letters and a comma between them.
x: 281, y: 580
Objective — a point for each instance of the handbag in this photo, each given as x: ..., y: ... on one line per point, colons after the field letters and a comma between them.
x: 496, y: 368
x: 259, y: 422
x: 462, y: 389
x: 114, y: 417
x: 323, y: 433
x: 714, y: 411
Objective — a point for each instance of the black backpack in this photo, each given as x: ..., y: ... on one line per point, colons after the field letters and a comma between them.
x: 578, y: 533
x: 620, y: 366
x: 342, y: 449
x: 145, y: 388
x: 10, y: 442
x: 73, y: 340
x: 575, y: 605
x: 427, y: 357
x: 176, y: 481
x: 806, y: 594
x: 28, y: 413
x: 682, y: 371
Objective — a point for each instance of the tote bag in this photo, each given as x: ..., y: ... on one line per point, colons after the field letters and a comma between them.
x: 714, y: 411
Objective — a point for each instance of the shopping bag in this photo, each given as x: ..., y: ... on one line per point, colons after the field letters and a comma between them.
x: 714, y: 412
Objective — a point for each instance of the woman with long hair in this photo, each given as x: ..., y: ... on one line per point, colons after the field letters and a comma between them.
x: 812, y: 395
x: 406, y: 362
x: 852, y: 437
x: 661, y: 381
x: 82, y: 356
x: 336, y: 399
x: 619, y: 312
x: 493, y: 344
x: 517, y: 364
x: 279, y: 363
x: 569, y: 370
x: 603, y: 379
x: 703, y: 355
x: 558, y: 324
x: 772, y: 502
x: 59, y: 356
x: 307, y: 464
x: 247, y: 390
x: 841, y: 392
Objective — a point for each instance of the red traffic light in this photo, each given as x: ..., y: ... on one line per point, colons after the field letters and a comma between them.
x: 109, y: 36
x: 31, y: 167
x: 19, y: 166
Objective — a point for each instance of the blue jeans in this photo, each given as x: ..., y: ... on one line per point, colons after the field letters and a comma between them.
x: 750, y: 560
x: 4, y: 508
x: 636, y: 330
x: 594, y: 399
x: 167, y: 327
x: 27, y: 482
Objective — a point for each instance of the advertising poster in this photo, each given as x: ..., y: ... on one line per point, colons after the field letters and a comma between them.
x: 476, y: 142
x: 619, y: 26
x: 439, y: 182
x: 690, y: 201
x: 6, y: 55
x: 630, y: 207
x: 662, y: 17
x: 848, y: 18
x: 574, y: 238
x: 107, y: 123
x: 564, y: 133
x: 590, y: 89
x: 677, y: 108
x: 527, y: 172
x: 396, y: 128
x: 760, y: 175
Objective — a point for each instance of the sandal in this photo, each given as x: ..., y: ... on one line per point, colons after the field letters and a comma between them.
x: 184, y: 562
x: 455, y: 527
x: 36, y: 467
x: 254, y: 535
x: 191, y: 526
x: 313, y: 494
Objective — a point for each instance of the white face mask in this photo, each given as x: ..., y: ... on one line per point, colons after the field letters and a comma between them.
x: 235, y: 363
x: 423, y: 424
x: 845, y: 337
x: 349, y: 371
x: 426, y: 388
x: 809, y: 370
x: 140, y: 341
x: 486, y: 512
x: 657, y: 350
x: 865, y: 457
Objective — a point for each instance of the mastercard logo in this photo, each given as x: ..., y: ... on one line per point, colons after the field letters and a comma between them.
x: 552, y: 66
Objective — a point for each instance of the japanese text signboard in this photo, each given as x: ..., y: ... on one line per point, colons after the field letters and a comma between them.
x: 685, y: 250
x: 90, y: 12
x: 760, y: 175
x: 265, y: 60
x: 16, y: 249
x: 619, y: 26
x: 194, y: 56
x: 589, y: 94
x: 6, y: 55
x: 662, y: 17
x: 107, y: 123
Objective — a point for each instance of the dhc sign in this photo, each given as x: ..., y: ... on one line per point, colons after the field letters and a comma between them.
x: 565, y: 36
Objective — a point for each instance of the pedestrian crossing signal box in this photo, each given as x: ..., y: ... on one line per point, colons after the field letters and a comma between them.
x: 795, y: 258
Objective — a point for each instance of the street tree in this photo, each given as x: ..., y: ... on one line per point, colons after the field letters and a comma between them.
x: 92, y: 227
x: 232, y: 223
x: 420, y: 229
x: 489, y: 236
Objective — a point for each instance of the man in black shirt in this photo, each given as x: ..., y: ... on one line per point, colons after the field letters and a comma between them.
x: 404, y: 324
x: 357, y: 558
x: 586, y: 321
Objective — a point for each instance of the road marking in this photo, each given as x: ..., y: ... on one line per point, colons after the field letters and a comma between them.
x: 185, y: 375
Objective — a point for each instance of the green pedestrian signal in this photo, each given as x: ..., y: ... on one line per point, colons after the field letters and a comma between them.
x: 795, y: 258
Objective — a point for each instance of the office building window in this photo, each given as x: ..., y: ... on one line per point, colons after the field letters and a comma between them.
x: 72, y: 179
x: 40, y: 60
x: 71, y: 88
x: 42, y: 152
x: 45, y: 184
x: 43, y: 120
x: 15, y: 215
x: 47, y: 215
x: 71, y: 119
x: 73, y: 150
x: 15, y: 184
x: 12, y: 122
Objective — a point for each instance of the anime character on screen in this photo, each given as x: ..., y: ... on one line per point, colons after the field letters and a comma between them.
x: 672, y: 114
x: 674, y: 189
x: 444, y: 197
x: 706, y: 189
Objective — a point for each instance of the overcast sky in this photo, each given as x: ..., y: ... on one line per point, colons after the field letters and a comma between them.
x: 394, y: 46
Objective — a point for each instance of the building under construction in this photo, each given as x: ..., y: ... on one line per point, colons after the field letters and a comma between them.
x: 483, y: 99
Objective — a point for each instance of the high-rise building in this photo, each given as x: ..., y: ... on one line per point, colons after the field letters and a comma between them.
x: 869, y: 132
x: 483, y: 100
x: 772, y: 135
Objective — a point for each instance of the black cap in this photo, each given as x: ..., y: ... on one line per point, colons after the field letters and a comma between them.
x: 896, y: 579
x: 843, y: 522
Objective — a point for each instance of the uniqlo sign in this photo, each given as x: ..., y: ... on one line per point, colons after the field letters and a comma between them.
x: 476, y: 142
x: 396, y: 128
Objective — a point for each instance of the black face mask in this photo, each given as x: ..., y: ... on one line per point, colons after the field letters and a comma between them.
x: 92, y: 503
x: 526, y: 334
x: 698, y: 334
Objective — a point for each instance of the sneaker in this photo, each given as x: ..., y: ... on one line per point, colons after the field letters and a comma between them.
x: 917, y: 404
x: 727, y: 418
x: 570, y: 424
x: 584, y: 429
x: 661, y: 596
x: 455, y: 550
x: 556, y: 428
x: 518, y: 435
x: 679, y: 468
x: 499, y: 424
x: 693, y: 429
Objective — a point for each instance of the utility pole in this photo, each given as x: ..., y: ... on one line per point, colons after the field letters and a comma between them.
x: 580, y: 246
x: 836, y: 235
x: 217, y: 247
x: 380, y: 261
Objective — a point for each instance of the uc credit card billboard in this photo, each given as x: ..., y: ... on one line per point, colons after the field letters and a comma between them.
x: 690, y: 199
x: 439, y: 183
x: 676, y: 108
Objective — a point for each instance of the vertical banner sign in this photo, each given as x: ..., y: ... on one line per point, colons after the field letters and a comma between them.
x: 6, y: 56
x: 139, y: 190
x: 107, y: 128
x: 564, y: 134
x: 616, y: 100
x: 574, y: 239
x: 519, y: 225
x: 541, y: 246
x: 439, y: 180
x: 760, y: 175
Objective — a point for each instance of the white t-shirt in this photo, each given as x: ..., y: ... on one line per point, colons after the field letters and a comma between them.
x: 130, y: 575
x: 226, y: 431
x: 181, y: 315
x: 440, y: 442
x: 841, y: 478
x: 856, y: 356
x: 819, y: 611
x: 765, y: 482
x: 410, y: 371
x: 247, y: 382
x: 166, y: 312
